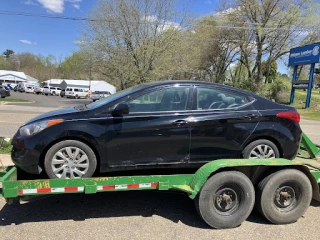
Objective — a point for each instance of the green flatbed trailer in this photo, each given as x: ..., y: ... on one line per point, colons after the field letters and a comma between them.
x: 225, y: 191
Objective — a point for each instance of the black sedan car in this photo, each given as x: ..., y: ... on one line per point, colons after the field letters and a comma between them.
x: 4, y: 91
x: 169, y: 124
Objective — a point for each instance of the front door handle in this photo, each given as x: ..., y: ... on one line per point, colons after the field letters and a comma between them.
x: 250, y: 116
x: 179, y: 122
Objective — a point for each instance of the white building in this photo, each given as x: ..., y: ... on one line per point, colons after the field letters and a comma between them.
x: 95, y: 85
x: 12, y: 77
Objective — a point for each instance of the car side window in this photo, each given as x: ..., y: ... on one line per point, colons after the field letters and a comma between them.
x: 165, y: 99
x: 212, y: 99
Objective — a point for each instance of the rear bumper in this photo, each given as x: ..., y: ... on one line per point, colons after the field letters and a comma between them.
x: 5, y: 94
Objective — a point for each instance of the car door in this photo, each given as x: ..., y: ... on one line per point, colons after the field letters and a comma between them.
x: 222, y: 121
x: 156, y: 130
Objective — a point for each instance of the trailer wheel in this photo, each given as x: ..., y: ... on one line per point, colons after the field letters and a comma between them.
x: 226, y: 199
x: 283, y: 197
x: 70, y: 159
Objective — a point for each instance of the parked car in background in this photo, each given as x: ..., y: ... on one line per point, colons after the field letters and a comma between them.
x: 171, y: 124
x: 15, y: 88
x: 4, y: 91
x: 51, y: 91
x: 46, y: 91
x: 96, y: 95
x: 55, y: 91
x: 76, y: 93
x: 29, y: 89
x: 38, y: 90
x: 62, y: 92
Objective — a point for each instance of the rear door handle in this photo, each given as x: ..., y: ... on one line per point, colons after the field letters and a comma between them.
x: 179, y: 122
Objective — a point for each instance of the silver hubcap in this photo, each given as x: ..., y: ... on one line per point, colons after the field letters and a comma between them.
x: 70, y: 162
x: 262, y: 151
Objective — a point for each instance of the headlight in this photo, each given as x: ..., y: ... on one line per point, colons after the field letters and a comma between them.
x: 36, y: 127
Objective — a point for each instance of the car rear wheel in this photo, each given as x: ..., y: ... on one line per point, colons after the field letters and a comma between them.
x: 77, y: 96
x: 70, y: 159
x: 262, y: 148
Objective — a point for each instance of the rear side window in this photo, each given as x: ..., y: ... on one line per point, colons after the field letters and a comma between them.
x: 76, y: 90
x: 212, y: 99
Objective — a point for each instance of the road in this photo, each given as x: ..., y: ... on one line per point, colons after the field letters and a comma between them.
x: 128, y: 215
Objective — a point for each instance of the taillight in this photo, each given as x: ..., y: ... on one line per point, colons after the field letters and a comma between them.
x: 294, y: 116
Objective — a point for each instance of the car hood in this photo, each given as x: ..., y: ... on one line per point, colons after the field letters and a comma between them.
x: 65, y: 113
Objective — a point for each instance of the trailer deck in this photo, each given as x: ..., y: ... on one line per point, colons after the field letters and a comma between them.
x: 193, y: 185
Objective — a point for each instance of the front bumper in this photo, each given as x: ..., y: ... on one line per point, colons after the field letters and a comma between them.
x: 26, y: 152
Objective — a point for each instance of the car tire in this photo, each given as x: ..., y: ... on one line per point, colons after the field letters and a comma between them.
x: 290, y: 209
x: 53, y: 93
x: 261, y: 148
x: 84, y: 150
x: 209, y: 202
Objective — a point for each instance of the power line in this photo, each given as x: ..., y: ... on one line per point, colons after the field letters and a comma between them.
x: 24, y: 14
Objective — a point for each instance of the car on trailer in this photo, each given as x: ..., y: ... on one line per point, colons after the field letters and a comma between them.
x: 171, y: 124
x: 224, y: 191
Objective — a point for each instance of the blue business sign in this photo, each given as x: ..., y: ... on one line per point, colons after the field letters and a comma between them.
x: 304, y: 55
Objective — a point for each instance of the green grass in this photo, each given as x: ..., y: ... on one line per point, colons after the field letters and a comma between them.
x: 13, y: 100
x: 6, y: 147
x: 313, y: 112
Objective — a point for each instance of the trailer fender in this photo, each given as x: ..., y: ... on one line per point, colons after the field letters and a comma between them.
x: 203, y: 173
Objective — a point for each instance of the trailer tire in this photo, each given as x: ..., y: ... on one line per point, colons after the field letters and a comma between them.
x: 284, y: 196
x: 226, y: 199
x: 268, y: 146
x: 72, y: 162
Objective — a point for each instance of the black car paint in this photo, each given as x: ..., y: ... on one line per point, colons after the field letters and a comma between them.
x: 167, y: 139
x: 4, y: 91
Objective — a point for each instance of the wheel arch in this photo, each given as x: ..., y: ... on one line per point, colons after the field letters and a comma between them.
x: 83, y: 140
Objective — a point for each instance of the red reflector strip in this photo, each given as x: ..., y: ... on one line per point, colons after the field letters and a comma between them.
x: 71, y: 189
x: 127, y: 186
x: 108, y: 187
x: 50, y: 190
x: 43, y: 190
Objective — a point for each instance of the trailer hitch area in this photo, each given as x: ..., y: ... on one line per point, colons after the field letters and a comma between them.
x: 308, y: 146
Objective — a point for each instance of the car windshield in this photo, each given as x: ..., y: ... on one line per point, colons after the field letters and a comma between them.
x: 114, y: 97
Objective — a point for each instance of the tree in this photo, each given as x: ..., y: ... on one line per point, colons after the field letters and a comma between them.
x: 128, y: 37
x: 268, y: 27
x: 7, y: 53
x: 269, y: 69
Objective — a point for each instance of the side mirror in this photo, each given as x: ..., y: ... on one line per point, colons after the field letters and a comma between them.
x: 120, y: 109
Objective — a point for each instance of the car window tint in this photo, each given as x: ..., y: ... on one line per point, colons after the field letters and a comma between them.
x: 166, y: 99
x: 210, y: 98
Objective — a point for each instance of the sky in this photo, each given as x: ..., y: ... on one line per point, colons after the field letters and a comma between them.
x: 52, y: 36
x: 56, y: 36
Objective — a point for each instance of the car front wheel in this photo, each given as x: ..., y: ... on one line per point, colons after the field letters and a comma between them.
x: 70, y: 159
x: 261, y: 148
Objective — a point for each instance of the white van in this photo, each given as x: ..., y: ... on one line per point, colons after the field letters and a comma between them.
x: 76, y: 93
